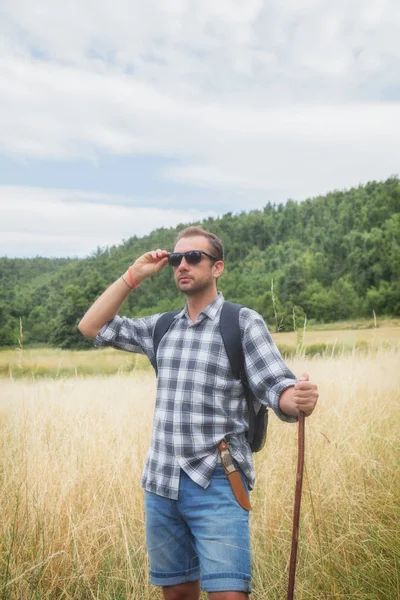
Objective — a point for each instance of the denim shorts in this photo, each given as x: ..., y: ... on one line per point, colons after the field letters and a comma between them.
x: 202, y: 535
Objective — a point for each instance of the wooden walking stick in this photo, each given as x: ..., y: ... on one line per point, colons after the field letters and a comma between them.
x: 297, y: 503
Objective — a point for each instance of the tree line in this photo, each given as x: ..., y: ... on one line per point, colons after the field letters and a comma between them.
x: 327, y: 258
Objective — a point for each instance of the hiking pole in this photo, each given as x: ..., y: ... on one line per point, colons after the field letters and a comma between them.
x: 297, y: 503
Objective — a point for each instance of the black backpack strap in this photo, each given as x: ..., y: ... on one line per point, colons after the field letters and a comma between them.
x: 232, y: 338
x: 164, y: 322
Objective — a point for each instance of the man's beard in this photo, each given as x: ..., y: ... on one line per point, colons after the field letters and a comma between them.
x: 194, y: 289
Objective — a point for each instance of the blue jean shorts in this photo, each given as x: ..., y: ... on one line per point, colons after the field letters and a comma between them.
x: 202, y: 535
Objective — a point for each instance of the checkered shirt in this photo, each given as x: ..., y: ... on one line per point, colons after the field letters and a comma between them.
x: 198, y: 401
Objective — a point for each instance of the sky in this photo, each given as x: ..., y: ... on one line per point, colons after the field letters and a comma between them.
x: 117, y: 118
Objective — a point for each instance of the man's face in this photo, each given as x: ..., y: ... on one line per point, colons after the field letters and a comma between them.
x: 192, y: 279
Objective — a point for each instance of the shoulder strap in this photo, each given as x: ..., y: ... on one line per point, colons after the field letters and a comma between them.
x: 232, y: 337
x: 161, y: 327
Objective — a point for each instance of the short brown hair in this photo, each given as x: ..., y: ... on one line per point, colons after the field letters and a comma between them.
x: 217, y: 246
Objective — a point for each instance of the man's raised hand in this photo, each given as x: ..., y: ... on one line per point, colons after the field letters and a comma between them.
x: 149, y: 264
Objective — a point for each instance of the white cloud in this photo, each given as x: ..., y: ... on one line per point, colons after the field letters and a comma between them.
x: 51, y: 222
x: 306, y: 152
x: 283, y: 96
x: 301, y: 151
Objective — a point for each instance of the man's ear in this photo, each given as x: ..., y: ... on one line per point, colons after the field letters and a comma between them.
x: 218, y: 268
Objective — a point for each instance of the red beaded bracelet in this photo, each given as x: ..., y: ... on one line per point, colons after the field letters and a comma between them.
x: 133, y: 282
x: 126, y: 283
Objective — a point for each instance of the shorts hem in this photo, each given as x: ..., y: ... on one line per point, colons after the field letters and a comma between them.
x: 226, y: 582
x: 175, y: 578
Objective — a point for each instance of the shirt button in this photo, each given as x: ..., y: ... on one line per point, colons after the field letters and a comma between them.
x: 177, y: 430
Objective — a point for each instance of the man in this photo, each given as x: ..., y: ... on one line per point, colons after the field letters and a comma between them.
x: 195, y: 528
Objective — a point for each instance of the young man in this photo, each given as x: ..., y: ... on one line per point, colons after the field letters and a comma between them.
x: 195, y: 528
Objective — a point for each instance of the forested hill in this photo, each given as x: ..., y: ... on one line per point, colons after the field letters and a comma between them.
x: 332, y: 257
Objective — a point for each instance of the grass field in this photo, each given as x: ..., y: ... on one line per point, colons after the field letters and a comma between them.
x: 56, y: 363
x: 71, y: 509
x: 360, y: 337
x: 373, y: 337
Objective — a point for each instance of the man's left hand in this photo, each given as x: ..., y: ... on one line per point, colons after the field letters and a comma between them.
x: 305, y: 395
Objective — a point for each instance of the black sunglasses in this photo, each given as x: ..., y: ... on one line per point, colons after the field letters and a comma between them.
x: 192, y: 257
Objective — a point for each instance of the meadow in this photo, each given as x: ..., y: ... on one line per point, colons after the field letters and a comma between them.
x: 336, y: 339
x: 71, y: 454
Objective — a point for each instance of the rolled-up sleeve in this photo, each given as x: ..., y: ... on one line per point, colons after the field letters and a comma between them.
x: 267, y: 373
x: 131, y: 335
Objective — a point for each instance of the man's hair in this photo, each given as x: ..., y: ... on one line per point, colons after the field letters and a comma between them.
x: 216, y: 244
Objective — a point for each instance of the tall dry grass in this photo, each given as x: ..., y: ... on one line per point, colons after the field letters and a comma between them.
x: 36, y: 363
x: 56, y: 363
x: 71, y: 509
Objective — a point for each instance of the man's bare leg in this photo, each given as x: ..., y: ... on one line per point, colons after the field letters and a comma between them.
x: 228, y: 596
x: 191, y: 591
x: 184, y: 591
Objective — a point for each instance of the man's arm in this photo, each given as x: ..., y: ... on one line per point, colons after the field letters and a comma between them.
x: 270, y: 378
x: 108, y: 304
x: 301, y: 397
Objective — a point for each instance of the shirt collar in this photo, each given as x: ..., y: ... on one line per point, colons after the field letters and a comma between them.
x: 214, y: 307
x: 209, y: 311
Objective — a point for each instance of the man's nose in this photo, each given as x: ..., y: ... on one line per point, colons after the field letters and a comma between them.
x: 183, y: 265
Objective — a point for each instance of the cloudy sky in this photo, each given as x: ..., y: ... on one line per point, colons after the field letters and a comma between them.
x: 120, y: 117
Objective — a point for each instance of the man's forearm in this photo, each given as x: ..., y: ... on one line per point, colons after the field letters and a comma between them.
x: 105, y: 307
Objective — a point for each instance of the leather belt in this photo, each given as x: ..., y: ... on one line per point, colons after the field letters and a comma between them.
x: 234, y: 477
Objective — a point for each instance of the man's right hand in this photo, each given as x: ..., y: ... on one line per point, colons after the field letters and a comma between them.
x: 149, y: 264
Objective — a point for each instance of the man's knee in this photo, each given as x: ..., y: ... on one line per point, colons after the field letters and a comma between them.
x: 184, y: 591
x: 228, y: 596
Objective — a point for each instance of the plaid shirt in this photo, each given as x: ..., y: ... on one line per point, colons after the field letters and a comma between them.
x: 198, y: 400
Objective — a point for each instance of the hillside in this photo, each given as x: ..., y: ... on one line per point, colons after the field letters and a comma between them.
x: 331, y: 257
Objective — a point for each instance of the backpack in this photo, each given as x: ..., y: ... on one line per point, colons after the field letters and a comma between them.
x: 232, y: 339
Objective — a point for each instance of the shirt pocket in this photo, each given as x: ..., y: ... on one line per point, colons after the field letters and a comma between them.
x: 220, y: 407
